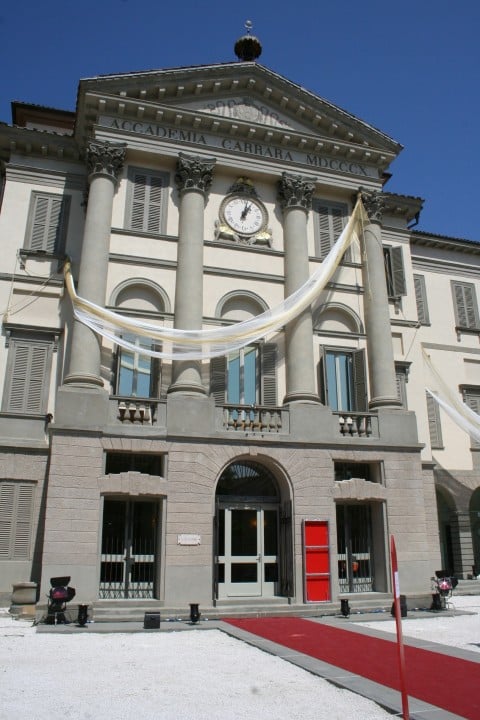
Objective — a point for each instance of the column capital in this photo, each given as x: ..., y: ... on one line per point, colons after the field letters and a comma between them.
x: 194, y: 173
x: 105, y: 158
x: 295, y: 191
x: 374, y: 204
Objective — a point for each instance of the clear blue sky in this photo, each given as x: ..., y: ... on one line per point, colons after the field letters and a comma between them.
x: 409, y: 68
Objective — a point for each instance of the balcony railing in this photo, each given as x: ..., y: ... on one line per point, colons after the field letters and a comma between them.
x: 357, y: 424
x: 254, y: 418
x: 133, y: 411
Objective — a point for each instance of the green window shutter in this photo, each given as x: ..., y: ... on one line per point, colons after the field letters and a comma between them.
x: 218, y: 379
x: 401, y: 381
x: 7, y: 504
x: 421, y: 299
x: 434, y: 426
x: 28, y: 375
x: 330, y: 223
x: 16, y: 509
x: 48, y: 223
x: 21, y: 548
x: 466, y: 313
x: 268, y: 361
x: 398, y: 272
x: 359, y: 381
x: 472, y: 399
x: 147, y: 201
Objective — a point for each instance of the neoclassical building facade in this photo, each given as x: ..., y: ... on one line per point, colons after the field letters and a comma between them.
x: 276, y: 473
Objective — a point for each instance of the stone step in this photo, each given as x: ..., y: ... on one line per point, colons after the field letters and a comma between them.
x: 134, y: 610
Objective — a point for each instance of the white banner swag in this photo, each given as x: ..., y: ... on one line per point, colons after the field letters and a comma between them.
x: 177, y: 344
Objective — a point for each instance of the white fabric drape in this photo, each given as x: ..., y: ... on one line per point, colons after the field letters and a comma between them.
x: 180, y: 344
x: 447, y: 399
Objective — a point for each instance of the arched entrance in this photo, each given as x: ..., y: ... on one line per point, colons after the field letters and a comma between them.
x: 253, y: 534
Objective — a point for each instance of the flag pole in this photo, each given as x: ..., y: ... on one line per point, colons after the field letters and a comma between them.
x: 398, y: 622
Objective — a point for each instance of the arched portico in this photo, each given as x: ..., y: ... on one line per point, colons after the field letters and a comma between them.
x: 253, y: 532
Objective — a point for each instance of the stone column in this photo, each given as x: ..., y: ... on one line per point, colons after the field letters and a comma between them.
x: 104, y: 164
x: 193, y: 178
x: 295, y: 196
x: 381, y: 366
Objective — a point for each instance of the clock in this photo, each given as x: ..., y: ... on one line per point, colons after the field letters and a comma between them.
x: 244, y: 214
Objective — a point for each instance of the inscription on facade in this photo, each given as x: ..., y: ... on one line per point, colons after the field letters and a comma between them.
x: 244, y: 147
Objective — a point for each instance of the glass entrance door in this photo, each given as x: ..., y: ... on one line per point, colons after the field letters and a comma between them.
x: 248, y: 551
x: 129, y: 540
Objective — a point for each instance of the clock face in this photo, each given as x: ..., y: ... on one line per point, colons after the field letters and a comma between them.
x: 245, y: 215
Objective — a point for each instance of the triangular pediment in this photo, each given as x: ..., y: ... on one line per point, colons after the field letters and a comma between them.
x: 247, y: 108
x: 243, y: 93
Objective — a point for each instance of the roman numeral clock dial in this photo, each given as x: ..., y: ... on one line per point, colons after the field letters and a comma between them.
x: 245, y: 215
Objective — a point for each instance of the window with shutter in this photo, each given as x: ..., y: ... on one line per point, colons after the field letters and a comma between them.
x: 394, y: 271
x: 246, y: 377
x: 471, y: 397
x: 330, y: 219
x: 401, y: 375
x: 16, y: 510
x: 434, y: 425
x: 421, y: 299
x: 27, y: 376
x: 146, y: 200
x: 344, y: 380
x: 465, y: 303
x: 47, y: 223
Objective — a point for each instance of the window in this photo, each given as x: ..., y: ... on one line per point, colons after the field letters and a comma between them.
x: 27, y: 375
x: 434, y: 425
x: 16, y: 508
x: 146, y: 200
x: 394, y: 271
x: 120, y: 462
x: 401, y: 376
x: 47, y: 223
x: 246, y: 377
x: 137, y: 374
x: 344, y: 380
x: 465, y: 303
x: 330, y: 219
x: 471, y: 398
x: 421, y: 299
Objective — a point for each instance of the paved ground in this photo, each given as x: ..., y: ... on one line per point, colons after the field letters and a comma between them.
x: 384, y: 696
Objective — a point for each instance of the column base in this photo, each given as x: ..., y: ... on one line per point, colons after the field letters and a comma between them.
x: 301, y: 397
x: 385, y: 402
x: 186, y: 389
x: 84, y: 380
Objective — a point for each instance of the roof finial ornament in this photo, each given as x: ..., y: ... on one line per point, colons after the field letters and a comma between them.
x: 248, y: 47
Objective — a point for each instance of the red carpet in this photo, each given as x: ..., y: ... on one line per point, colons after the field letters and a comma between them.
x: 448, y: 682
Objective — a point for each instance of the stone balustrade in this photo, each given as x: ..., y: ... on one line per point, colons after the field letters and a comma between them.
x: 357, y: 424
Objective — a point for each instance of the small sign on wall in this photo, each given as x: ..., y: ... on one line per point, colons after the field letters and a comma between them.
x: 189, y: 539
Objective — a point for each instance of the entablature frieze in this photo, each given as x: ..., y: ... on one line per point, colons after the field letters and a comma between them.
x: 207, y: 131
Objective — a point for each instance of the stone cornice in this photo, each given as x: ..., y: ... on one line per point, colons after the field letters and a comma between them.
x: 41, y: 143
x: 444, y: 242
x: 444, y: 267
